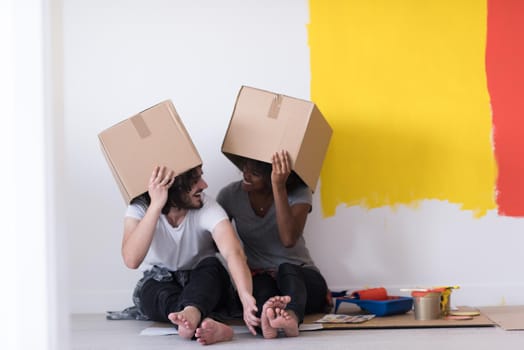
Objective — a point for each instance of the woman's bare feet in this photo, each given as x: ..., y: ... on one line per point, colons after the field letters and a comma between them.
x: 275, y: 317
x: 267, y: 331
x: 285, y: 320
x: 211, y: 331
x: 187, y: 321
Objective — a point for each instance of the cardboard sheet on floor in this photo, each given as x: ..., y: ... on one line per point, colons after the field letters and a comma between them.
x: 509, y: 318
x: 406, y: 320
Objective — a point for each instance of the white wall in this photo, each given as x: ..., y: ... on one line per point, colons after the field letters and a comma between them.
x: 35, y: 315
x: 123, y: 56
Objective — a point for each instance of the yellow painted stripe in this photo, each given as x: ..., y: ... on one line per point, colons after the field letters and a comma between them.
x: 403, y: 85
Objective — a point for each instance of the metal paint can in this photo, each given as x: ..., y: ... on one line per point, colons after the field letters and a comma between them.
x: 426, y: 305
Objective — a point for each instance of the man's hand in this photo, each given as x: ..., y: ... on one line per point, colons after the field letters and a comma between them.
x: 250, y: 308
x: 161, y: 179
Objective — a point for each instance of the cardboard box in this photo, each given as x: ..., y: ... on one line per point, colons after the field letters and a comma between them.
x: 155, y: 136
x: 264, y: 122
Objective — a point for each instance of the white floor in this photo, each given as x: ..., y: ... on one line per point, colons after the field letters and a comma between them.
x: 93, y: 331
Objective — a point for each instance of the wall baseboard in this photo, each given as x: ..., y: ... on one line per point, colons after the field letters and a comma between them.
x: 99, y: 301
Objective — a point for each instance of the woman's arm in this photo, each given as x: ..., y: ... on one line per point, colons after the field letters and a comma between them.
x: 290, y: 219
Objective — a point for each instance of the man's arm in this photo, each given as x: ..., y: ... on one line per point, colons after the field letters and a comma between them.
x: 231, y: 249
x: 138, y: 234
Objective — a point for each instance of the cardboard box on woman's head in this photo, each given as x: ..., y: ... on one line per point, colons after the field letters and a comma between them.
x: 264, y: 122
x: 155, y: 136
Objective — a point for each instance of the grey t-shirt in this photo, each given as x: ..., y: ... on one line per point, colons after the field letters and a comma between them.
x: 259, y: 235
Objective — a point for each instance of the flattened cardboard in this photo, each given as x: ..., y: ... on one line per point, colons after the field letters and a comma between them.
x: 406, y: 320
x: 509, y: 318
x: 155, y: 136
x: 264, y: 122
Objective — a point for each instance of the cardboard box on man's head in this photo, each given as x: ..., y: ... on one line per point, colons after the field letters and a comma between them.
x: 155, y: 136
x: 264, y: 122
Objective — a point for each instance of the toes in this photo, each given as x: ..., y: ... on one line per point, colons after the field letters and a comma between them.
x: 272, y: 313
x: 285, y: 314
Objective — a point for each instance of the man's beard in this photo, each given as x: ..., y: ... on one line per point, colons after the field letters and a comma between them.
x: 186, y: 202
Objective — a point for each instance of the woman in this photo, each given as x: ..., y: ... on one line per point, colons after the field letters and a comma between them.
x: 269, y: 207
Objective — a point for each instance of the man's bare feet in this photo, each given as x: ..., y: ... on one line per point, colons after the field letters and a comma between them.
x: 274, y: 317
x: 187, y: 321
x: 211, y: 331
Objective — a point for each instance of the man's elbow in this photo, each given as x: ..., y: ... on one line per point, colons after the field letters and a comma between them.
x: 131, y: 262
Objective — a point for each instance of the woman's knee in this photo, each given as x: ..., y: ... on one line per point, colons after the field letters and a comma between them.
x: 287, y: 268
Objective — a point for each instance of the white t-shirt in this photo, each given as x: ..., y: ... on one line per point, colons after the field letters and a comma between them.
x: 182, y: 247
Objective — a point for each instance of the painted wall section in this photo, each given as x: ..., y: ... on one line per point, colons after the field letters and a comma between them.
x: 505, y: 71
x: 403, y: 85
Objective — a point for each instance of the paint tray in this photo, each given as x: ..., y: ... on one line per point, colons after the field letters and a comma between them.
x: 391, y: 306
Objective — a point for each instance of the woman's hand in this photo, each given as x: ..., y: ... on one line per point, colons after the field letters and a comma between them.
x: 281, y: 162
x: 161, y: 179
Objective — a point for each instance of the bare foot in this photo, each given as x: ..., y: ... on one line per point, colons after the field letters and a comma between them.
x: 268, y: 312
x: 280, y: 301
x: 285, y: 320
x: 187, y: 321
x: 211, y: 331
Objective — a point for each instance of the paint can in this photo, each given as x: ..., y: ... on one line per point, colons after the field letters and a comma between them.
x: 426, y: 305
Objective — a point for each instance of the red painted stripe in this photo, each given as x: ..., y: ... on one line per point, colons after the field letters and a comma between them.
x: 505, y: 75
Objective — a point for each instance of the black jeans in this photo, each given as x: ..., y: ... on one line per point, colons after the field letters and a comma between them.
x: 208, y: 288
x: 306, y: 287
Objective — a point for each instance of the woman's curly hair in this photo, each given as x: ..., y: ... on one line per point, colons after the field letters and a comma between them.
x: 265, y: 169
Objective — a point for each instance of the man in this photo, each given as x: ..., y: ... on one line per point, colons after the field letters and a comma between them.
x: 171, y: 233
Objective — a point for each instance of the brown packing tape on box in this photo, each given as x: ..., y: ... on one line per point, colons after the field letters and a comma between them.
x: 274, y: 108
x: 140, y: 126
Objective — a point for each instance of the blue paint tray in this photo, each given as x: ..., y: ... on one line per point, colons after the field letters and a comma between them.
x: 392, y: 306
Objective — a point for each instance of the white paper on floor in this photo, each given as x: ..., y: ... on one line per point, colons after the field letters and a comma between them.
x: 172, y: 330
x: 236, y: 329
